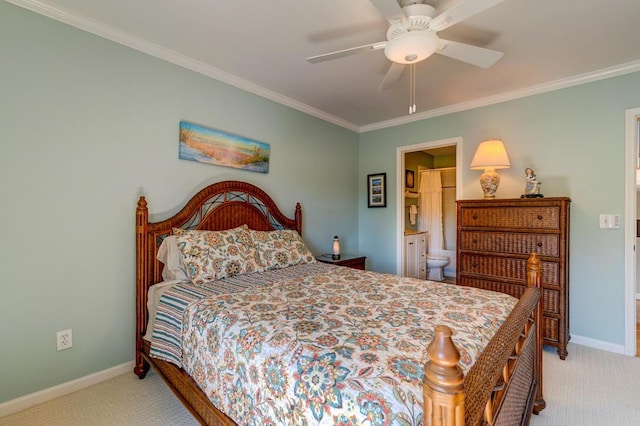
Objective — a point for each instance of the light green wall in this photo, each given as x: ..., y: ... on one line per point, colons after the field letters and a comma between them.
x: 442, y: 161
x: 574, y: 139
x: 86, y: 126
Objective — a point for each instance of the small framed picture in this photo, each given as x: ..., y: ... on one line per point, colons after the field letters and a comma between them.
x: 377, y: 190
x: 409, y: 181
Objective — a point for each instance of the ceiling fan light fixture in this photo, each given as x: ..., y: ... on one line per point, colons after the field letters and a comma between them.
x: 412, y: 47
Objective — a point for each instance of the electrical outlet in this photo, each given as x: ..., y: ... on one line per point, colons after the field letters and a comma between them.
x: 64, y: 339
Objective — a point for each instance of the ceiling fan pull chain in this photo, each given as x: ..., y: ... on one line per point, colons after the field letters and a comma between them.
x: 412, y: 88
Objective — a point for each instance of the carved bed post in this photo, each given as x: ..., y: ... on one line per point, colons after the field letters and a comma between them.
x: 298, y: 218
x: 443, y: 382
x: 142, y: 219
x: 534, y: 277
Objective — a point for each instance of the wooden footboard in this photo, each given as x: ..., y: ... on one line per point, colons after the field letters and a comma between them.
x: 505, y: 384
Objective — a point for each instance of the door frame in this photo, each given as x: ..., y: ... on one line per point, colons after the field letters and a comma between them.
x: 631, y: 163
x: 400, y: 153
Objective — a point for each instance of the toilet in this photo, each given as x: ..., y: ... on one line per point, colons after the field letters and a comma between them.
x: 435, y: 265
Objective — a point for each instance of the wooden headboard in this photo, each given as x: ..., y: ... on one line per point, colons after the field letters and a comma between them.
x: 219, y: 206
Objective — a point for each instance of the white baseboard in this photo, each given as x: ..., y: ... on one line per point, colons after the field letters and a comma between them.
x: 597, y: 344
x: 27, y: 401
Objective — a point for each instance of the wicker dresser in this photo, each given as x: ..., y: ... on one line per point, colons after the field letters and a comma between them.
x: 495, y: 237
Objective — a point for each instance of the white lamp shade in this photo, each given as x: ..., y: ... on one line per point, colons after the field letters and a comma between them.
x: 490, y: 154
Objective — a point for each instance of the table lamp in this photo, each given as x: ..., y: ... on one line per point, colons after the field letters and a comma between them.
x: 489, y: 157
x: 335, y: 252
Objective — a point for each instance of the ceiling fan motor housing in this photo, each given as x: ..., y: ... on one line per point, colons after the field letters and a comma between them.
x: 419, y: 11
x: 413, y: 42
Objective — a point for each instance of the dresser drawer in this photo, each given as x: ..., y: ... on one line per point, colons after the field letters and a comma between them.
x: 550, y: 325
x: 542, y: 217
x: 514, y: 243
x: 550, y: 330
x: 550, y: 298
x: 509, y: 268
x: 515, y: 290
x: 551, y: 301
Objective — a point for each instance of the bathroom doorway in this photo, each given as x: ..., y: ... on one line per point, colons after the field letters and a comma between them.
x: 442, y: 154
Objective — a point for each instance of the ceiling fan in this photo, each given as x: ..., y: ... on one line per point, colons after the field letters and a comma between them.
x: 412, y: 36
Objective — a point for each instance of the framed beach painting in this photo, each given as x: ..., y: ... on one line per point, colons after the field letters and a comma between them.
x: 377, y: 190
x: 206, y: 145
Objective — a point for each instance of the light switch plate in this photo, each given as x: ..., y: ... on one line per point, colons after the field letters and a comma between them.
x: 610, y: 221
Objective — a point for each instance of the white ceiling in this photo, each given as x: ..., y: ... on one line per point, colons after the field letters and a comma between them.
x: 262, y: 46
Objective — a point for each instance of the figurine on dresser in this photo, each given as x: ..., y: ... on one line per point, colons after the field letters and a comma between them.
x: 532, y: 187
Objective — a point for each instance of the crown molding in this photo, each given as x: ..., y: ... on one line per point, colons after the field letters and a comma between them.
x: 551, y: 86
x: 145, y: 46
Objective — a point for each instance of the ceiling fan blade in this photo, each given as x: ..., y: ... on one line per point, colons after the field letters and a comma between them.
x: 391, y: 10
x: 347, y: 52
x: 392, y: 76
x: 478, y: 56
x: 463, y: 10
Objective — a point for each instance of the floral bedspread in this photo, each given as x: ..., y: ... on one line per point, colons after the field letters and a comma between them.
x: 341, y: 346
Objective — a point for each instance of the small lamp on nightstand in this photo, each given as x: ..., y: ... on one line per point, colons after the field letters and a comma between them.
x: 335, y: 254
x: 489, y: 157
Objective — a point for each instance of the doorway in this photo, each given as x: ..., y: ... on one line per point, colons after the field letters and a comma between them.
x: 632, y: 137
x: 451, y: 146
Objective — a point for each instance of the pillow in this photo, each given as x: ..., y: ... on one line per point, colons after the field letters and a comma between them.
x: 214, y: 255
x: 171, y: 256
x: 281, y: 248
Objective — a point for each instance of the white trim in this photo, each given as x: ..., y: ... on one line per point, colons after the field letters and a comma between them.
x: 400, y: 152
x: 176, y: 58
x: 27, y: 401
x: 630, y: 207
x: 145, y: 46
x: 589, y: 77
x: 598, y: 344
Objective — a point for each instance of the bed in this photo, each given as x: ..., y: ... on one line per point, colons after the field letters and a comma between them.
x: 501, y: 384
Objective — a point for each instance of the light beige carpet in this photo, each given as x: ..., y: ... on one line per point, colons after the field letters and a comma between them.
x: 591, y: 387
x: 123, y: 400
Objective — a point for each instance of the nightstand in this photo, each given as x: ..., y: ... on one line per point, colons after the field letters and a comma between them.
x: 348, y: 260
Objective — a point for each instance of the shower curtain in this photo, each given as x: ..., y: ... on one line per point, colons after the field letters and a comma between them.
x: 430, y: 218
